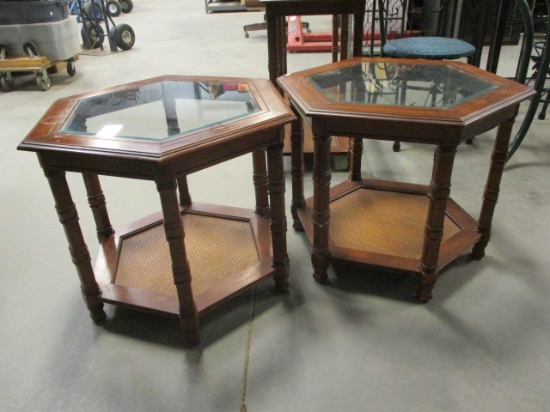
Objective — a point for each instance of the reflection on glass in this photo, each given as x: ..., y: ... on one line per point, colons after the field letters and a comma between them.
x: 395, y: 84
x: 158, y: 111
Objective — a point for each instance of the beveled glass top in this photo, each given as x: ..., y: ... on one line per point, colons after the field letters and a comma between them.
x: 161, y: 110
x: 399, y: 84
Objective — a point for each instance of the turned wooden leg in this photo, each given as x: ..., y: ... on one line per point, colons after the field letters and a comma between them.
x: 355, y: 152
x: 492, y: 187
x: 96, y: 200
x: 260, y: 182
x: 440, y: 188
x: 80, y: 255
x: 183, y: 189
x: 336, y: 37
x: 321, y: 213
x: 358, y: 20
x: 276, y: 46
x: 297, y: 171
x: 173, y: 228
x: 278, y: 218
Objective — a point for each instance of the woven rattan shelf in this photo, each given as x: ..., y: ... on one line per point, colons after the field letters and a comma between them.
x: 224, y: 251
x: 374, y: 222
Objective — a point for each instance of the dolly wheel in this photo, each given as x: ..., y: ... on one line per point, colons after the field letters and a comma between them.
x: 114, y: 8
x: 71, y: 67
x: 3, y: 51
x: 7, y: 82
x: 30, y: 49
x: 127, y: 5
x: 95, y: 34
x: 124, y: 36
x: 93, y: 9
x: 43, y: 80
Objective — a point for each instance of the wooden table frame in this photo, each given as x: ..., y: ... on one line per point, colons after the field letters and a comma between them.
x: 445, y: 129
x: 276, y: 12
x: 168, y: 164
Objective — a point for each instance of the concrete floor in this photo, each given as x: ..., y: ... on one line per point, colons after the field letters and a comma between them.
x: 362, y: 344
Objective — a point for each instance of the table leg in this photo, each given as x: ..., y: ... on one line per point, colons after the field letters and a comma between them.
x: 440, y: 188
x: 355, y: 152
x: 358, y: 20
x: 68, y: 216
x: 183, y: 188
x: 297, y: 170
x: 282, y: 40
x: 96, y: 200
x: 260, y: 182
x: 335, y: 37
x: 278, y: 218
x: 492, y: 187
x: 321, y: 213
x: 173, y: 228
x: 274, y: 45
x: 344, y: 39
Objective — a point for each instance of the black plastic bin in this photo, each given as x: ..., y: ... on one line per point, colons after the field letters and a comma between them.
x: 33, y: 11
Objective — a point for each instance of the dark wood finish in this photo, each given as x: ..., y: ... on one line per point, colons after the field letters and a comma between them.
x: 276, y: 11
x: 445, y: 129
x: 167, y: 162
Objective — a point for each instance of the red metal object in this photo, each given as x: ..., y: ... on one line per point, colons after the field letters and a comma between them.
x: 299, y: 41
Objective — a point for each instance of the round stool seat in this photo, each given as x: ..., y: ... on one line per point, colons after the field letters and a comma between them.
x: 435, y: 48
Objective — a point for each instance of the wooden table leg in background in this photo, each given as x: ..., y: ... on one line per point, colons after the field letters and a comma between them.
x: 183, y: 189
x: 297, y: 170
x: 260, y: 182
x: 96, y: 200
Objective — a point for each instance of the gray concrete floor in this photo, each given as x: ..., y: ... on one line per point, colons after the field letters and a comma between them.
x: 362, y: 344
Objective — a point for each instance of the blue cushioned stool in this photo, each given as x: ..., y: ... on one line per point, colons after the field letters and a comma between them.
x: 433, y: 48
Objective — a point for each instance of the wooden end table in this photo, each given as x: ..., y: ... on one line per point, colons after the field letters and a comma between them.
x: 163, y: 129
x: 408, y: 227
x: 276, y: 12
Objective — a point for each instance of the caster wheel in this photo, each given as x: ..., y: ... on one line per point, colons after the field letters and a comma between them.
x: 396, y: 146
x: 246, y: 35
x: 113, y: 7
x: 469, y: 141
x: 30, y: 49
x: 3, y: 51
x: 43, y: 80
x: 7, y: 82
x: 71, y: 67
x: 127, y: 5
x: 124, y: 36
x: 542, y: 116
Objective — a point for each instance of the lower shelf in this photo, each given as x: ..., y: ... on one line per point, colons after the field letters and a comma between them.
x: 228, y: 250
x: 382, y: 224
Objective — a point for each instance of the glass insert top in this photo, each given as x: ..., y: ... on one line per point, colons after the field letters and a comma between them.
x: 159, y: 111
x: 398, y: 84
